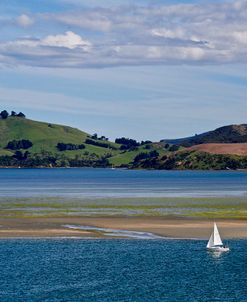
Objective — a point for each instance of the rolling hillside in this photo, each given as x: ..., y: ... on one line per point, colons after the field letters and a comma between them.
x: 226, y: 134
x: 44, y: 138
x: 43, y: 135
x: 28, y: 143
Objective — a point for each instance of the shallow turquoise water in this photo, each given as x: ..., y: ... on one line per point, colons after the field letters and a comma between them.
x: 121, y: 270
x: 120, y: 183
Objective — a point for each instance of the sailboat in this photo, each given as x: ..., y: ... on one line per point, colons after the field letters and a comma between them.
x: 215, y: 243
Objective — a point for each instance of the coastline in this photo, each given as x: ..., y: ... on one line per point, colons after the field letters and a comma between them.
x: 91, y: 227
x: 124, y: 168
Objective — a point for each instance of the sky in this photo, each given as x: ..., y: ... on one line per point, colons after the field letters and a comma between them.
x: 141, y: 69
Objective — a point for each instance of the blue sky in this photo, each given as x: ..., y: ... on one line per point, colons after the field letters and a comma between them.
x: 149, y: 70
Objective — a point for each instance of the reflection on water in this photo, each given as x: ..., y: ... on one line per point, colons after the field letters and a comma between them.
x: 215, y: 254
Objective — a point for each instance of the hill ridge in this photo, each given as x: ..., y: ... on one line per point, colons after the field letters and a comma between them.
x: 29, y: 143
x: 234, y: 133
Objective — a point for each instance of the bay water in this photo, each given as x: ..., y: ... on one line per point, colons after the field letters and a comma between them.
x: 120, y: 183
x: 120, y: 269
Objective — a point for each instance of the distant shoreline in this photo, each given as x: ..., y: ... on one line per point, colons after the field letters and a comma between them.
x: 122, y: 168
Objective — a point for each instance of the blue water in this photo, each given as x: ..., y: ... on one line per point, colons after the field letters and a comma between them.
x: 121, y: 270
x: 120, y: 183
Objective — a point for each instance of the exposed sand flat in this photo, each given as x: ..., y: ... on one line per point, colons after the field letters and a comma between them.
x: 41, y: 233
x: 237, y: 148
x: 175, y: 228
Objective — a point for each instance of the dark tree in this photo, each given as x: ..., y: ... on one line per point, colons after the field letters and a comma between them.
x: 145, y: 142
x: 25, y: 155
x: 95, y: 136
x: 13, y: 113
x: 148, y: 156
x: 98, y: 144
x: 126, y: 143
x: 141, y: 156
x: 103, y: 138
x: 22, y: 144
x: 20, y: 114
x: 4, y: 114
x: 173, y: 148
x: 70, y: 147
x: 154, y: 153
x: 18, y: 155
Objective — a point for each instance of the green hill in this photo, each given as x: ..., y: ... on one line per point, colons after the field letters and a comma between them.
x: 28, y: 143
x: 86, y: 150
x: 226, y: 134
x: 44, y: 136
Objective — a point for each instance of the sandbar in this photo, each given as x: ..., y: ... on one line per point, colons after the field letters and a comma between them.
x: 185, y: 228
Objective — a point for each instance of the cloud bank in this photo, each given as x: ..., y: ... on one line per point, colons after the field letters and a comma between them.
x: 205, y: 33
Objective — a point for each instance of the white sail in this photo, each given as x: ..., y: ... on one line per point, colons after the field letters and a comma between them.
x: 214, y: 239
x: 211, y: 241
x: 217, y: 239
x: 215, y: 243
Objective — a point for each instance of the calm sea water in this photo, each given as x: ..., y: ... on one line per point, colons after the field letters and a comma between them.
x: 120, y: 183
x: 121, y: 270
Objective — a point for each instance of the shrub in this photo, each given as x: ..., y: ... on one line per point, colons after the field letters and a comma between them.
x: 70, y: 147
x: 4, y: 114
x: 21, y: 144
x: 98, y: 144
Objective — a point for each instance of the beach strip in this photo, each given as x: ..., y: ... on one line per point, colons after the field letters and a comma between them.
x: 94, y: 227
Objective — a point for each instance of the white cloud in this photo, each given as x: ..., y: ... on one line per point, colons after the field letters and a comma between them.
x: 24, y: 20
x: 136, y: 35
x: 68, y: 40
x: 177, y: 33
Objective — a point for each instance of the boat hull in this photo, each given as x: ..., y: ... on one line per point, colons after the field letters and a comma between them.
x: 218, y: 249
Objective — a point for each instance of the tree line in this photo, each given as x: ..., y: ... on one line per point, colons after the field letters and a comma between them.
x: 93, y: 142
x: 25, y: 159
x: 4, y: 114
x: 129, y: 143
x: 21, y: 144
x: 70, y: 147
x: 145, y: 155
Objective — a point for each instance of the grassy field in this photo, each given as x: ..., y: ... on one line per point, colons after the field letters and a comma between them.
x: 234, y: 208
x: 99, y: 153
x: 124, y: 158
x: 45, y: 137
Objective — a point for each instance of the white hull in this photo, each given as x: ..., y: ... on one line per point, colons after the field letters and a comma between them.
x: 215, y: 243
x: 218, y: 249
